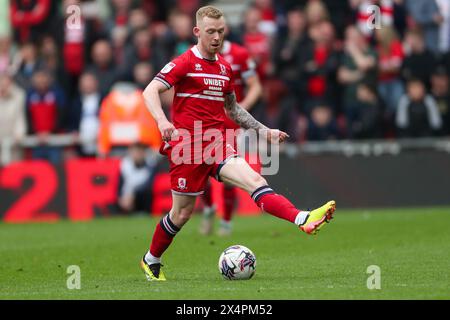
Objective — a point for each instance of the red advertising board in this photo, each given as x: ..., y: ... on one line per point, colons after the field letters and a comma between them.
x: 81, y: 189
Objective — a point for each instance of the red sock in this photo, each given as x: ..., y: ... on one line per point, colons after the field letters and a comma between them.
x: 229, y: 197
x: 207, y: 196
x: 165, y: 231
x: 275, y: 204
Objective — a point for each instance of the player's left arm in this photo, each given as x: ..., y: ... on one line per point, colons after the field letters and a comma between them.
x: 247, y: 121
x: 254, y: 91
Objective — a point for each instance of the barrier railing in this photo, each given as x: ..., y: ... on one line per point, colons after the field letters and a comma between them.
x: 345, y: 147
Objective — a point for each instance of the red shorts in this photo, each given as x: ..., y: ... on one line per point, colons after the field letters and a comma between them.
x: 231, y: 125
x: 189, y: 176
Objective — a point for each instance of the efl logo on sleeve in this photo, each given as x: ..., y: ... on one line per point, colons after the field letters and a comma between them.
x: 168, y: 67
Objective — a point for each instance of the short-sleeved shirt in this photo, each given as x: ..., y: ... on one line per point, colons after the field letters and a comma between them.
x: 200, y: 89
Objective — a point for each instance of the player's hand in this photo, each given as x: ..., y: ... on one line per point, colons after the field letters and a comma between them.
x: 167, y: 130
x: 276, y: 136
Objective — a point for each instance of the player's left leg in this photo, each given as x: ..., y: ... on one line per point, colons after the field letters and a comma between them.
x: 237, y: 172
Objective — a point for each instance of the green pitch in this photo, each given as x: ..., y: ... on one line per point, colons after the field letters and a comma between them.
x: 411, y: 247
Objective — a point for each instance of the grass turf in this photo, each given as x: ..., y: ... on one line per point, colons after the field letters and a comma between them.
x: 411, y: 246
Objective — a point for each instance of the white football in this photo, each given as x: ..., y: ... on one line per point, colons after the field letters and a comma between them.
x: 237, y: 263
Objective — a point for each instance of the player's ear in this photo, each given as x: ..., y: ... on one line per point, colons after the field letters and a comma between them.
x: 196, y: 31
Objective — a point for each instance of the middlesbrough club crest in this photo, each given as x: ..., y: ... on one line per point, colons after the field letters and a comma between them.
x: 223, y: 70
x: 182, y: 183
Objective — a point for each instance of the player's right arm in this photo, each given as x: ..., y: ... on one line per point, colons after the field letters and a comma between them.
x: 153, y: 102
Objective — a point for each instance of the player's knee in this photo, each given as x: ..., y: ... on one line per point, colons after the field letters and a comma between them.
x: 256, y: 182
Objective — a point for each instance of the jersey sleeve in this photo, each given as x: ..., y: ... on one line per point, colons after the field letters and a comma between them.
x: 230, y: 88
x: 248, y: 65
x: 173, y: 72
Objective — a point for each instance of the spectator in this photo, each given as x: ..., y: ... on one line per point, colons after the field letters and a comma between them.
x: 288, y: 48
x: 84, y: 114
x: 157, y: 11
x: 268, y: 24
x: 143, y: 49
x: 74, y: 43
x: 143, y: 74
x: 444, y: 27
x: 137, y: 171
x: 320, y: 64
x: 103, y: 66
x: 316, y: 12
x: 45, y: 109
x: 51, y: 61
x: 12, y: 120
x: 138, y: 19
x: 390, y: 57
x: 178, y: 37
x: 366, y: 121
x: 119, y: 42
x: 358, y: 65
x: 425, y: 15
x: 400, y: 17
x: 341, y: 16
x: 419, y: 61
x: 118, y: 29
x: 30, y: 18
x: 257, y: 43
x: 321, y: 122
x: 188, y: 7
x: 417, y: 114
x: 440, y: 92
x: 8, y: 62
x: 120, y: 36
x: 120, y: 13
x: 28, y: 62
x: 124, y: 119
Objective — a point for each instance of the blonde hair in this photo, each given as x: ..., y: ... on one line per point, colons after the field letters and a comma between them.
x: 387, y: 35
x: 208, y: 11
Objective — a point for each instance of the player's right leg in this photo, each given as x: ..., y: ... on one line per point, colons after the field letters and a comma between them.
x: 165, y: 231
x: 238, y: 173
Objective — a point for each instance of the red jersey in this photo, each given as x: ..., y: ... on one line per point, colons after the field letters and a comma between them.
x: 395, y: 55
x: 259, y: 48
x: 243, y: 67
x: 200, y: 88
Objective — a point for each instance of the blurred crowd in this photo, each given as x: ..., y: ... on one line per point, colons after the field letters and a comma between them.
x: 331, y: 69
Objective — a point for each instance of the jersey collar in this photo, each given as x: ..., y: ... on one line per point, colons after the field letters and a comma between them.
x: 197, y: 53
